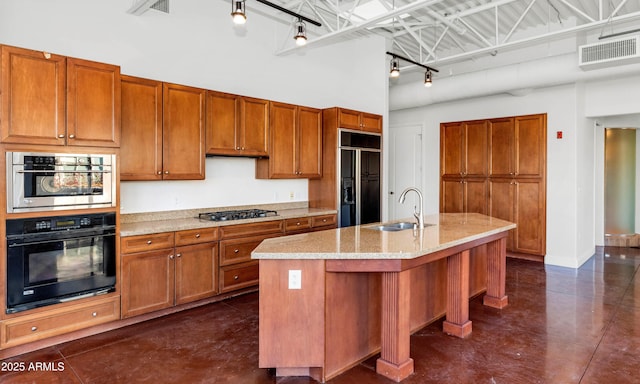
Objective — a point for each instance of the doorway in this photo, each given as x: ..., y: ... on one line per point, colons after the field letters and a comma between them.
x: 405, y: 168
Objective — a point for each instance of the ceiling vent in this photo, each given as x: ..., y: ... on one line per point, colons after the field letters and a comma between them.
x: 610, y: 53
x: 141, y: 6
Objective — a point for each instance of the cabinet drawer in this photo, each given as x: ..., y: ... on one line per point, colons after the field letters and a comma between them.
x: 239, y: 276
x: 323, y: 221
x: 56, y: 322
x: 141, y: 243
x: 195, y: 236
x: 262, y: 228
x: 297, y: 224
x: 239, y: 250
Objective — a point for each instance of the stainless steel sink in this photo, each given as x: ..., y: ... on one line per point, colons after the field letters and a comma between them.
x: 393, y: 226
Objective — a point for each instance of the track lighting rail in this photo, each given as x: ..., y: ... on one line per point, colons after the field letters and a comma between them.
x: 281, y: 9
x: 409, y: 60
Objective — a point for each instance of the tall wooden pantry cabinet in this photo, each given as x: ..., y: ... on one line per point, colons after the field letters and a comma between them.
x: 498, y: 167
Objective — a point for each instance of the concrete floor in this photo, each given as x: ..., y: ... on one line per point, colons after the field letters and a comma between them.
x: 561, y: 326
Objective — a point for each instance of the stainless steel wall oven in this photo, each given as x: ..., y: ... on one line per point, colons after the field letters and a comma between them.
x: 60, y: 258
x: 51, y: 181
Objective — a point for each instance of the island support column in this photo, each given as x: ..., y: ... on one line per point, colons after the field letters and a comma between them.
x: 394, y: 361
x: 457, y: 322
x: 496, y: 296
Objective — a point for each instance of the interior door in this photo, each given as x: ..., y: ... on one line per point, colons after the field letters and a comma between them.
x: 405, y: 169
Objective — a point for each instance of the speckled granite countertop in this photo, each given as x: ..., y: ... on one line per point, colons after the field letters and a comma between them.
x: 362, y: 242
x: 169, y: 221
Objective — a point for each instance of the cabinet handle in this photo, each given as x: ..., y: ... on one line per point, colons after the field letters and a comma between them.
x: 298, y: 223
x: 159, y: 172
x: 237, y: 148
x: 34, y: 328
x: 148, y: 242
x: 72, y: 136
x: 171, y: 257
x: 166, y: 172
x: 61, y: 136
x: 236, y: 250
x: 324, y: 220
x: 197, y: 235
x: 235, y: 277
x: 94, y: 314
x: 179, y: 255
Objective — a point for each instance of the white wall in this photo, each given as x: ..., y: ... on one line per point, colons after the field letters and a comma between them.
x: 574, y: 163
x: 196, y: 44
x: 560, y: 106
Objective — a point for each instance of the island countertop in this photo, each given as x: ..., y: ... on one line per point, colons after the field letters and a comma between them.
x: 444, y: 230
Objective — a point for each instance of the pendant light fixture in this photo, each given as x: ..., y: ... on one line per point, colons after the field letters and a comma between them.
x: 428, y: 81
x: 301, y: 33
x: 238, y: 12
x: 395, y: 67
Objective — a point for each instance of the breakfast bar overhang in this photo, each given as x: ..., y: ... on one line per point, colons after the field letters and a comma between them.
x: 331, y: 299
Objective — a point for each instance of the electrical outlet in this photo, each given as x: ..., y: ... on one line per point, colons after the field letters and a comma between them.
x: 295, y: 279
x: 291, y: 195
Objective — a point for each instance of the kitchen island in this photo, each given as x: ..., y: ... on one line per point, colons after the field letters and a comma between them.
x: 331, y: 299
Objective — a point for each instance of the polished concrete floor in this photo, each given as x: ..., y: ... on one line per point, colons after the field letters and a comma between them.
x: 561, y: 326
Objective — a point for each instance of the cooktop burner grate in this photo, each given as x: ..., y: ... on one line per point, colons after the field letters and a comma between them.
x: 237, y: 214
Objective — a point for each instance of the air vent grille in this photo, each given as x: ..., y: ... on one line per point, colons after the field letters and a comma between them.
x: 615, y: 52
x: 161, y: 5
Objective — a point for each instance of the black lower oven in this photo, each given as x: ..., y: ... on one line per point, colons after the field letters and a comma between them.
x: 59, y: 258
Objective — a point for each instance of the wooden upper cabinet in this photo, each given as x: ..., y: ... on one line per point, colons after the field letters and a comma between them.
x: 183, y: 132
x: 93, y: 103
x: 254, y: 124
x: 295, y: 145
x: 222, y: 123
x: 309, y: 142
x: 464, y: 149
x: 33, y: 88
x: 56, y: 100
x: 361, y: 121
x: 518, y: 146
x: 531, y: 137
x: 141, y: 148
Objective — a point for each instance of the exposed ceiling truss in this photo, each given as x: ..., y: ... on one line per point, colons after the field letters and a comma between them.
x: 437, y: 32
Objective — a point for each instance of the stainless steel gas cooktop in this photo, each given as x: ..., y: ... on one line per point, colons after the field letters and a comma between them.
x: 237, y: 214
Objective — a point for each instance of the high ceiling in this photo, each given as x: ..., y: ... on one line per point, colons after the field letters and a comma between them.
x: 437, y: 32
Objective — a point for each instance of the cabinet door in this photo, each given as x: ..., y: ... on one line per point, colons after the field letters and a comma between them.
x: 33, y: 97
x: 530, y: 217
x: 254, y: 124
x: 476, y: 195
x: 502, y: 136
x: 93, y: 103
x: 309, y: 143
x: 141, y: 148
x: 183, y: 132
x: 222, y: 123
x: 530, y: 134
x: 476, y: 149
x: 451, y: 144
x: 147, y: 282
x: 196, y: 272
x: 452, y: 195
x: 348, y: 119
x: 371, y: 122
x: 282, y: 152
x: 502, y: 194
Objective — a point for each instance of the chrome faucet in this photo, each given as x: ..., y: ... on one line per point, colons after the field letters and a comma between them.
x: 416, y: 214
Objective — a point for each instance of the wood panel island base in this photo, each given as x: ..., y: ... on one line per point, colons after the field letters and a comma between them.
x: 331, y: 299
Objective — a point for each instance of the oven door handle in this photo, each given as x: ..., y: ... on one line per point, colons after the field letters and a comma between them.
x: 62, y: 171
x: 52, y: 240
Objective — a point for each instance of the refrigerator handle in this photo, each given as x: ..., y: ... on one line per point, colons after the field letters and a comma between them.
x: 357, y: 192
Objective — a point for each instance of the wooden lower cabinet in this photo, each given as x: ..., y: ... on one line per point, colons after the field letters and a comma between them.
x: 37, y: 326
x: 159, y: 279
x: 464, y: 195
x: 521, y: 202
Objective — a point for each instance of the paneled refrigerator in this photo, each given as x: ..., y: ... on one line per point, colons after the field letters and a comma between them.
x: 359, y: 168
